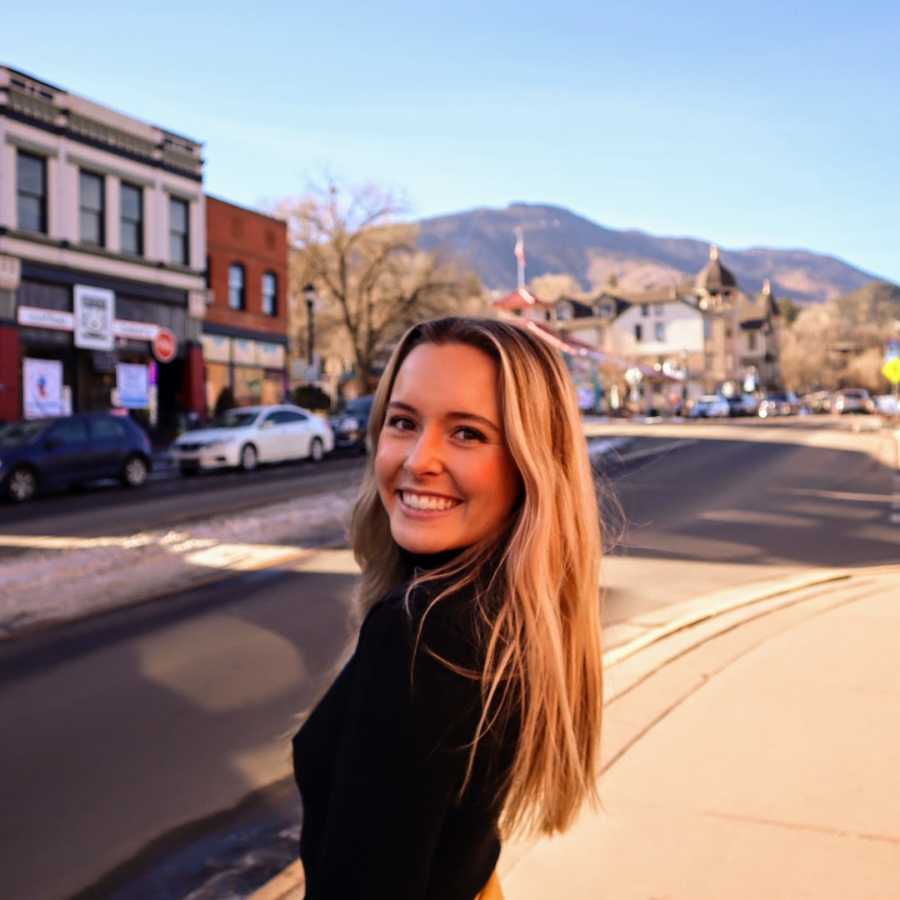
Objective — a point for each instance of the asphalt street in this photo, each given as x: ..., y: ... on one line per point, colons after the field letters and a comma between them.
x: 132, y: 734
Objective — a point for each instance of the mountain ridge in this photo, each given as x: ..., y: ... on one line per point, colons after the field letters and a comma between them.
x: 560, y: 241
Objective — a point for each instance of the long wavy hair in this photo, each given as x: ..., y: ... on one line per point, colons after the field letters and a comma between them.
x: 540, y: 603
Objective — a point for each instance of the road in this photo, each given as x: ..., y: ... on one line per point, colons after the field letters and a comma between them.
x: 143, y: 725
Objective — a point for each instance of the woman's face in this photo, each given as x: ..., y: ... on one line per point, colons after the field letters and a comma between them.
x: 444, y: 472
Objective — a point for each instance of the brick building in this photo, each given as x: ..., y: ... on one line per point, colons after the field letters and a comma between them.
x: 102, y: 251
x: 245, y: 334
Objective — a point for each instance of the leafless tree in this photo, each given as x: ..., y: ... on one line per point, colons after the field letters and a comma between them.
x: 372, y: 279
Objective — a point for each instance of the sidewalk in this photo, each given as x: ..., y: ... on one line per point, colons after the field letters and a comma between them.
x: 759, y: 761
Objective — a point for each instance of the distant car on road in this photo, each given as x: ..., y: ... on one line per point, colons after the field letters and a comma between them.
x: 818, y: 402
x: 60, y: 453
x: 779, y: 403
x: 710, y: 406
x: 351, y: 422
x: 249, y: 435
x: 852, y: 400
x: 741, y: 405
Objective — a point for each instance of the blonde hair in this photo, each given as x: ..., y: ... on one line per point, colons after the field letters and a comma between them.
x: 543, y: 660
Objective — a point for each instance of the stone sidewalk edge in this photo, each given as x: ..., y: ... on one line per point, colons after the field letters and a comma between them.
x: 680, y: 616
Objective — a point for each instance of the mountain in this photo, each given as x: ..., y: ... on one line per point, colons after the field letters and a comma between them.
x: 557, y: 241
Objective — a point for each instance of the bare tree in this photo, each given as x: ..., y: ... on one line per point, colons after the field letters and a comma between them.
x: 373, y: 280
x: 840, y: 343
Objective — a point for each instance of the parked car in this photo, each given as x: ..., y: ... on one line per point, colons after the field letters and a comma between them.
x: 852, y: 400
x: 818, y: 402
x: 886, y: 405
x: 741, y: 405
x: 60, y: 453
x: 351, y: 422
x: 710, y: 406
x: 779, y: 403
x: 249, y: 435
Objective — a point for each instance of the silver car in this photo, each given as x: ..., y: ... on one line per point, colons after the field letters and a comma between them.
x: 247, y: 436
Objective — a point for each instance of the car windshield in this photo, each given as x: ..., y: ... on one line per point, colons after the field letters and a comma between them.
x: 17, y: 434
x: 234, y: 418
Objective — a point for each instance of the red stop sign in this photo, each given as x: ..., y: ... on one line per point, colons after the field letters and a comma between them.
x: 164, y: 345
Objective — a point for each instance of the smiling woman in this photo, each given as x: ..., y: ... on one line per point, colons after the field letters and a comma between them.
x: 471, y: 706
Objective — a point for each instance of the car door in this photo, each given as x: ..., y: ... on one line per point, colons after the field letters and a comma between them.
x: 271, y: 438
x: 109, y: 438
x: 67, y: 454
x: 302, y: 433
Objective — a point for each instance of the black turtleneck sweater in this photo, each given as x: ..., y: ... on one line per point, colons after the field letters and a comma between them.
x: 381, y: 760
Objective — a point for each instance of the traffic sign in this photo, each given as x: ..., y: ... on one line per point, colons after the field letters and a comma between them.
x: 891, y: 370
x: 164, y: 345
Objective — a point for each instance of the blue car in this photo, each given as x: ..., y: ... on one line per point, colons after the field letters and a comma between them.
x: 56, y: 454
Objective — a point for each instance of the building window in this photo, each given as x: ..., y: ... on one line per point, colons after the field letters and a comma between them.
x: 179, y: 245
x: 31, y: 186
x: 92, y: 206
x: 751, y: 341
x: 645, y: 310
x: 236, y: 297
x: 659, y: 331
x: 132, y: 219
x: 638, y: 333
x: 270, y: 294
x: 658, y: 309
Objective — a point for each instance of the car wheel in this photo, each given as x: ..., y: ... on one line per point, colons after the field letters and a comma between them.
x: 316, y: 450
x: 249, y: 458
x: 134, y: 472
x: 22, y: 484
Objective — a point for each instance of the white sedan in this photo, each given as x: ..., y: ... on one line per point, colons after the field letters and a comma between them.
x: 710, y: 406
x: 249, y: 435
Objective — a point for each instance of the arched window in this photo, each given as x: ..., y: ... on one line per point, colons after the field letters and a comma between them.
x: 236, y: 294
x: 270, y: 294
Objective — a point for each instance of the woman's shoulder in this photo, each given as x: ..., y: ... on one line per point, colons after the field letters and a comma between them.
x: 426, y: 617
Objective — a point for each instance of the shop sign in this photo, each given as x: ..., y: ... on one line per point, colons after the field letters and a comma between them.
x: 243, y: 352
x: 216, y: 348
x: 135, y: 331
x: 36, y: 317
x: 164, y: 345
x: 270, y: 356
x: 42, y: 388
x: 133, y: 385
x: 94, y: 316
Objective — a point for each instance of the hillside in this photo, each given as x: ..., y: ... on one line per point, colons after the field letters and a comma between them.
x: 559, y: 241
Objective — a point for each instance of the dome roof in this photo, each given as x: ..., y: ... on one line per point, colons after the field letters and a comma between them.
x: 714, y: 278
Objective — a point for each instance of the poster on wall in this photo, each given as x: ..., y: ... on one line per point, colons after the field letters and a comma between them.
x: 42, y: 388
x: 94, y: 318
x: 133, y: 386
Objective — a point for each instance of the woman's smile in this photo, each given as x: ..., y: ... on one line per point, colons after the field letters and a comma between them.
x: 418, y: 504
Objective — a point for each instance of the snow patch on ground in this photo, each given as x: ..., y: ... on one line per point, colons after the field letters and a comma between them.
x: 48, y: 585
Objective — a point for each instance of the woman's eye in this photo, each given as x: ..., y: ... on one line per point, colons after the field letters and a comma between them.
x: 469, y: 434
x: 401, y: 423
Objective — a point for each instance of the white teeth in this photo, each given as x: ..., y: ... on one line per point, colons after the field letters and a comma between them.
x: 423, y: 501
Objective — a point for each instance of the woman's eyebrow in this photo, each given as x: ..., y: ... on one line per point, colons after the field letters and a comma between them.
x: 455, y: 414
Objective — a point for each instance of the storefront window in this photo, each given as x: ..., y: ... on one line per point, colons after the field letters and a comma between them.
x: 217, y: 379
x: 248, y: 385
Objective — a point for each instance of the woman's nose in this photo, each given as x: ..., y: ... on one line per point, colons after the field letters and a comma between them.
x: 425, y: 455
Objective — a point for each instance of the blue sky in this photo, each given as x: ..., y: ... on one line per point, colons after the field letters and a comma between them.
x: 764, y: 124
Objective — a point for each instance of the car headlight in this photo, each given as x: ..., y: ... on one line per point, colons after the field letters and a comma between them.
x: 348, y: 423
x: 224, y: 442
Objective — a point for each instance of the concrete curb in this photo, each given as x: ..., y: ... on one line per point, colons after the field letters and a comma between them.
x: 655, y: 628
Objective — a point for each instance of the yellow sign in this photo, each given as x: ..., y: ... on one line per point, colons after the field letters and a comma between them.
x: 891, y: 370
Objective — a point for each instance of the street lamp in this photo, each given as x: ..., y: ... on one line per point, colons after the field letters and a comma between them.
x: 311, y: 298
